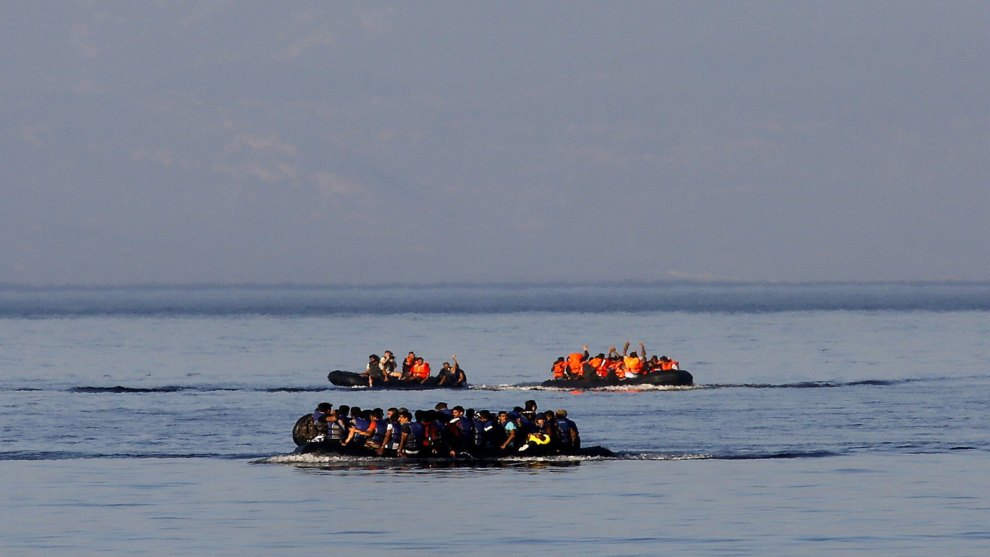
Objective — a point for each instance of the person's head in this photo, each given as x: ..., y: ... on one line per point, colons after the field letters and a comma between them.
x: 485, y: 415
x: 446, y: 365
x: 356, y: 412
x: 391, y: 412
x: 540, y: 419
x: 324, y: 407
x: 440, y: 406
x: 373, y: 358
x: 388, y: 355
x: 377, y: 414
x: 411, y: 356
x: 458, y: 411
x: 561, y: 413
x: 419, y: 360
x: 404, y: 417
x: 503, y: 417
x: 530, y: 405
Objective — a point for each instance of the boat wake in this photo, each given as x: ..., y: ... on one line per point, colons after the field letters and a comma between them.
x: 324, y: 461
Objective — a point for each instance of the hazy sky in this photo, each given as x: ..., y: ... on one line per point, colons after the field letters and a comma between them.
x: 332, y: 142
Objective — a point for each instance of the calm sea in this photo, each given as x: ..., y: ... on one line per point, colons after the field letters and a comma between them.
x: 827, y: 419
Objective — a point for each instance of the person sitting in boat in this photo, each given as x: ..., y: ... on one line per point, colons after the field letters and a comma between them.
x: 523, y: 420
x: 460, y: 431
x: 362, y: 428
x: 373, y: 371
x: 320, y: 417
x: 387, y: 364
x: 334, y: 436
x: 433, y: 441
x: 344, y: 417
x: 575, y: 363
x: 666, y: 364
x: 407, y: 366
x: 445, y: 411
x: 653, y: 364
x: 559, y: 369
x: 410, y: 436
x: 445, y: 375
x: 632, y: 364
x: 508, y: 432
x: 451, y: 375
x: 570, y: 438
x: 542, y: 438
x: 420, y: 372
x: 530, y: 409
x: 390, y: 440
x: 376, y: 438
x: 485, y: 432
x: 596, y: 367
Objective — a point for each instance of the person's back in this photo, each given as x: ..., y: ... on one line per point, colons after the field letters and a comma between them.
x: 633, y: 364
x: 320, y: 417
x: 460, y: 377
x: 487, y: 431
x: 569, y: 437
x: 335, y: 431
x: 445, y: 375
x: 575, y: 363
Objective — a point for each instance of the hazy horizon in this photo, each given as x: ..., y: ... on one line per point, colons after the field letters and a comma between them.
x: 348, y: 143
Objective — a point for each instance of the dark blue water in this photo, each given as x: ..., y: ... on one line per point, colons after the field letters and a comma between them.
x: 826, y: 419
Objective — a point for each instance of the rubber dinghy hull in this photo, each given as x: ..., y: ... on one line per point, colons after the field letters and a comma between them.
x: 323, y: 448
x: 343, y: 378
x: 674, y: 378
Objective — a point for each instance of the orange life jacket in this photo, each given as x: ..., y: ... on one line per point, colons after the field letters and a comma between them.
x: 575, y: 361
x: 669, y: 365
x: 598, y: 364
x: 635, y: 365
x: 559, y: 369
x: 421, y: 371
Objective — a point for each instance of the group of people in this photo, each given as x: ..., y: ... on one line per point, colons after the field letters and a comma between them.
x: 444, y: 432
x: 414, y: 369
x: 627, y: 365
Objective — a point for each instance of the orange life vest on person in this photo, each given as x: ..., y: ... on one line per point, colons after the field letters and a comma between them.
x: 634, y: 365
x: 559, y: 369
x: 612, y: 366
x: 421, y: 371
x: 575, y: 361
x: 598, y: 364
x: 669, y: 365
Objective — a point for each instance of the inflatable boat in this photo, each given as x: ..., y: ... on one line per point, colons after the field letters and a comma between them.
x: 673, y: 378
x: 326, y: 448
x: 343, y: 378
x: 303, y: 437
